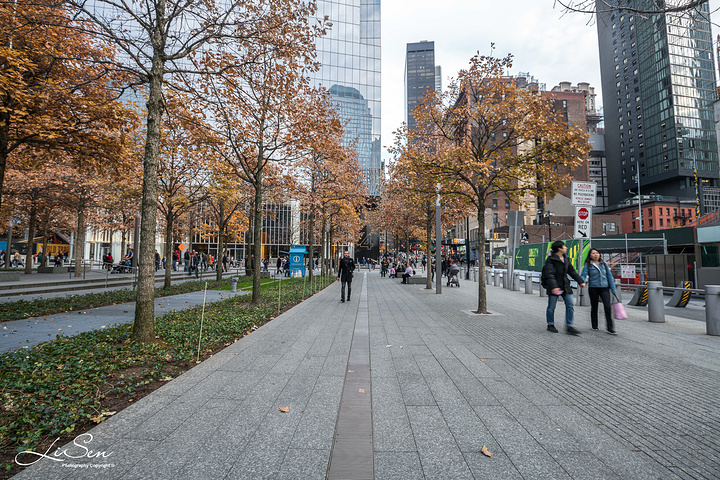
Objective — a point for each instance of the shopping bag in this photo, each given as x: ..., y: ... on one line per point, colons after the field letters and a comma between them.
x: 618, y: 310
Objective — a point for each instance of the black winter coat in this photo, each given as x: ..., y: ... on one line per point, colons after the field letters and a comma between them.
x: 346, y: 268
x: 555, y: 273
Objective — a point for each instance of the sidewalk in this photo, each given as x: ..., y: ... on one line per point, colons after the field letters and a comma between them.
x: 443, y: 383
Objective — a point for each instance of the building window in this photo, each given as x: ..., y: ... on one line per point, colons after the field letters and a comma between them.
x: 507, y: 204
x: 494, y: 202
x: 633, y: 225
x: 661, y: 222
x: 651, y: 224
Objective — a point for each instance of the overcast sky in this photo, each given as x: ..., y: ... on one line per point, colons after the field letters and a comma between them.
x: 549, y: 45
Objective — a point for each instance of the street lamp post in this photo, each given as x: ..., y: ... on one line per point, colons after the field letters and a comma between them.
x: 438, y: 238
x: 637, y: 178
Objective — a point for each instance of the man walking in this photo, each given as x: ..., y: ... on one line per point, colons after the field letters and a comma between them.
x: 555, y: 278
x: 346, y: 268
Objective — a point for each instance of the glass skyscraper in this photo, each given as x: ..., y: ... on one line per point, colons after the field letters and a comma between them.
x: 350, y: 58
x: 658, y: 84
x: 420, y: 76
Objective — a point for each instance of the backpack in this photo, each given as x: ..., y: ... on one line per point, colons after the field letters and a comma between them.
x: 543, y: 281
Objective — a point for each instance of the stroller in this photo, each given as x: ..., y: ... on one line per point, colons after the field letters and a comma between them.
x: 453, y: 276
x: 122, y: 267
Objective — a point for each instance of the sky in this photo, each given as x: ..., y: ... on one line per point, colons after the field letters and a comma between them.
x: 550, y: 45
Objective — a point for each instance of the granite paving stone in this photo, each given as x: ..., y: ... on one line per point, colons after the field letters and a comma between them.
x: 640, y: 405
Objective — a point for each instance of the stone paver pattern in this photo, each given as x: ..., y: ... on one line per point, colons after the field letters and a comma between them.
x: 444, y: 382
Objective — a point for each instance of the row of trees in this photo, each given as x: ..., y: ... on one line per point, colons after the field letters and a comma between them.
x: 230, y: 120
x: 485, y: 136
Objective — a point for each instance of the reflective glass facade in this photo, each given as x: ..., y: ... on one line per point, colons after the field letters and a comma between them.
x: 659, y: 87
x: 350, y: 58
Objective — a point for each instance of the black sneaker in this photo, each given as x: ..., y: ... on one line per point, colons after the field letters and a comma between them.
x: 612, y: 332
x: 572, y: 331
x: 342, y: 300
x: 595, y: 328
x: 551, y: 328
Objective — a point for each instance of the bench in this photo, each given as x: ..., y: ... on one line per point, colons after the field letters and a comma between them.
x: 416, y: 280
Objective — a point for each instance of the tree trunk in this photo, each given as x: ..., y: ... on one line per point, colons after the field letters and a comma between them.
x: 46, y: 221
x: 31, y: 236
x: 144, y: 326
x: 428, y: 239
x: 80, y: 243
x: 168, y: 249
x: 323, y: 259
x: 482, y: 290
x: 311, y: 244
x: 218, y: 260
x: 4, y: 145
x: 123, y: 244
x: 257, y: 239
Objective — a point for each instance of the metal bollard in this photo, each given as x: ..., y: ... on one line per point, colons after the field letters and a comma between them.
x: 516, y: 281
x: 712, y: 309
x: 234, y: 282
x: 543, y: 291
x: 496, y: 278
x: 583, y: 296
x: 529, y: 283
x: 618, y: 289
x: 488, y: 277
x: 656, y: 303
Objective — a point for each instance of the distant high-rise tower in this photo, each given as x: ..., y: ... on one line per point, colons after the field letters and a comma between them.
x: 350, y: 69
x: 658, y: 85
x: 420, y: 76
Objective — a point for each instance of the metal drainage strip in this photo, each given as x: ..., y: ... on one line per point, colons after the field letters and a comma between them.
x: 352, y: 451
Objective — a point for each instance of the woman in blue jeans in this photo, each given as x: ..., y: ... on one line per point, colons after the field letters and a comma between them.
x: 601, y: 283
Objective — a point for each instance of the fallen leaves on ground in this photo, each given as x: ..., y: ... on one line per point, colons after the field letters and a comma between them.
x: 485, y: 451
x: 362, y: 390
x: 284, y: 409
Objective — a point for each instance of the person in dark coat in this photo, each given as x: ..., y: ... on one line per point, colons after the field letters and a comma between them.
x: 555, y: 274
x: 346, y: 267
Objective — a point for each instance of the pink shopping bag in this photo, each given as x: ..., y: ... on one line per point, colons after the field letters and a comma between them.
x: 618, y: 310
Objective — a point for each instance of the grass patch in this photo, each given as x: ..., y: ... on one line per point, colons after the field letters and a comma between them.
x: 248, y: 284
x: 62, y: 388
x: 37, y: 308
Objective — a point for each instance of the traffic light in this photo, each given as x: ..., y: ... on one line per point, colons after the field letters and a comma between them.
x: 496, y: 235
x: 525, y: 236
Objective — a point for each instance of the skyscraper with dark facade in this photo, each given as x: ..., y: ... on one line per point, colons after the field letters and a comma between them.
x: 658, y: 85
x: 350, y: 58
x: 420, y: 76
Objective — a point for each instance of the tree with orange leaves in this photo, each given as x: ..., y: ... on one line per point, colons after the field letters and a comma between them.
x: 486, y: 135
x: 50, y: 98
x: 262, y: 120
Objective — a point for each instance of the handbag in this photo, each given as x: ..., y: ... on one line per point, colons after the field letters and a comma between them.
x: 618, y: 309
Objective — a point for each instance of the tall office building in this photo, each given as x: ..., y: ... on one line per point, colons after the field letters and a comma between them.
x: 350, y: 58
x: 420, y: 76
x: 658, y: 85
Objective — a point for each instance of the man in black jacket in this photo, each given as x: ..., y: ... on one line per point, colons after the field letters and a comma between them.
x: 346, y: 267
x: 555, y: 278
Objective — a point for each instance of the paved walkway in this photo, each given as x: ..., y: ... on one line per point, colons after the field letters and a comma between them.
x: 443, y: 383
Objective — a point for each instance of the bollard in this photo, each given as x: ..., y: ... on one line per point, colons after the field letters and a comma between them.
x: 496, y: 278
x: 488, y: 277
x: 618, y: 289
x: 583, y: 296
x: 656, y: 303
x: 529, y: 283
x: 516, y: 281
x: 543, y: 290
x: 712, y: 309
x: 234, y: 282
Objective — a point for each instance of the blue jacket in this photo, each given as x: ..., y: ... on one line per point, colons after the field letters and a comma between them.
x: 600, y: 275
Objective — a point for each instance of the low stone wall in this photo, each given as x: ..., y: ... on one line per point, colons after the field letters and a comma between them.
x: 10, y: 276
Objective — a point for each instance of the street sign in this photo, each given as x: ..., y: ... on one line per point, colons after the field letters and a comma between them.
x: 627, y: 271
x: 584, y: 193
x: 583, y: 222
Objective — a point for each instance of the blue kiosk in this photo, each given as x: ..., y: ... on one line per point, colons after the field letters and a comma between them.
x: 297, y: 258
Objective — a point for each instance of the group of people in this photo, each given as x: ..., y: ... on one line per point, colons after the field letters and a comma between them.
x: 556, y: 274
